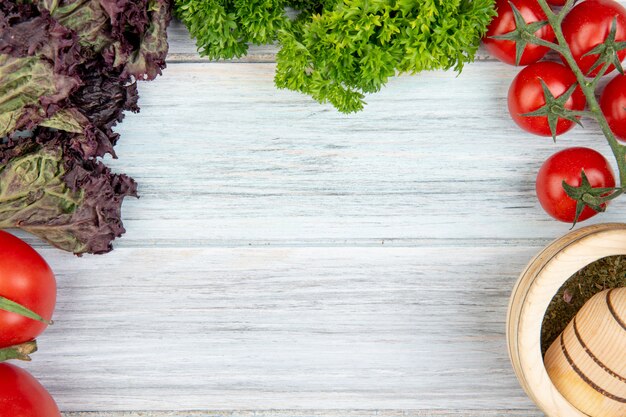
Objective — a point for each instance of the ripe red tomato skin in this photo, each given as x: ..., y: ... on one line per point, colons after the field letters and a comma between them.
x: 526, y: 95
x: 25, y: 278
x: 612, y: 103
x: 557, y: 2
x: 567, y: 165
x: 503, y: 23
x: 587, y: 25
x: 22, y: 395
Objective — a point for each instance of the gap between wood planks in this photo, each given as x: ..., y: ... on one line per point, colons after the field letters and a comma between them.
x: 128, y: 242
x: 315, y: 413
x: 256, y: 55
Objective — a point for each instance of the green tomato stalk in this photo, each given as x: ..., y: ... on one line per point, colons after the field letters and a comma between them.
x: 585, y: 195
x: 20, y: 352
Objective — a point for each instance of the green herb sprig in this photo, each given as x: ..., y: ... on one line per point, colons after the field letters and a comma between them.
x: 223, y: 29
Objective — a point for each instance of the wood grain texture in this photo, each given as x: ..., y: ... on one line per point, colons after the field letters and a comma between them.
x: 532, y: 294
x: 223, y: 159
x: 314, y: 413
x: 286, y: 257
x: 587, y: 362
x: 428, y: 155
x: 265, y: 328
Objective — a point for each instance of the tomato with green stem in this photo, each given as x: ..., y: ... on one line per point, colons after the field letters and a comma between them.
x: 576, y: 169
x: 542, y: 97
x: 26, y: 281
x: 613, y: 105
x: 22, y: 395
x: 586, y: 28
x: 505, y: 37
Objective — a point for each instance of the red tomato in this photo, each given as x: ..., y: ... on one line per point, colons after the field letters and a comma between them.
x: 567, y: 165
x: 25, y: 278
x: 21, y: 395
x: 613, y: 104
x: 526, y: 95
x: 557, y: 2
x: 588, y: 25
x: 504, y: 23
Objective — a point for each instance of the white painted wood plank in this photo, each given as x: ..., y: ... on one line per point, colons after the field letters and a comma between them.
x: 223, y: 158
x: 282, y: 328
x: 316, y: 413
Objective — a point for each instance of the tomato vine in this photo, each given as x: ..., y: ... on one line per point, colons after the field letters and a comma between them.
x: 607, y: 52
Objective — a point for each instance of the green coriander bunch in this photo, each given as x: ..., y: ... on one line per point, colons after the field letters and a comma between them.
x: 337, y: 51
x: 340, y: 55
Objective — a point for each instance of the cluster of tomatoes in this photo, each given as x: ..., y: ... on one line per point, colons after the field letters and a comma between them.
x: 25, y: 279
x: 545, y: 98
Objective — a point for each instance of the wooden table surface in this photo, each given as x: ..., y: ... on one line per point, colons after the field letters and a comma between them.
x: 286, y: 260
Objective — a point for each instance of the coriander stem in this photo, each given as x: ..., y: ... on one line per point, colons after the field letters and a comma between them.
x: 588, y: 88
